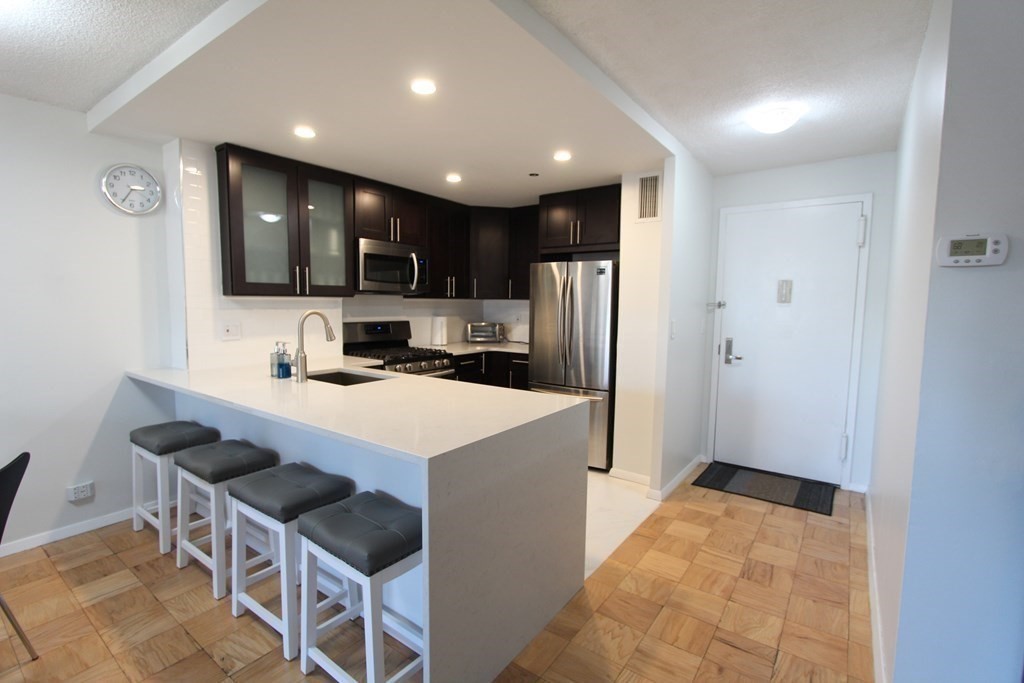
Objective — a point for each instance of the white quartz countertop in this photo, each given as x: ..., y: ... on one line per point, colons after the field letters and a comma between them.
x: 462, y: 348
x: 404, y: 415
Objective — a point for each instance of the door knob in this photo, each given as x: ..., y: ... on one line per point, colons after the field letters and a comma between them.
x: 729, y: 357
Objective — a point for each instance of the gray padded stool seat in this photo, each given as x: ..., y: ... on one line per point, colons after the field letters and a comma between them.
x: 287, y: 491
x: 273, y: 499
x: 217, y: 462
x: 367, y: 531
x: 155, y: 444
x: 169, y: 437
x: 207, y: 469
x: 368, y: 540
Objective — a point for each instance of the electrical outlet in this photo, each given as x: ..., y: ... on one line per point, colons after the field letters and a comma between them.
x: 80, y: 491
x: 230, y: 331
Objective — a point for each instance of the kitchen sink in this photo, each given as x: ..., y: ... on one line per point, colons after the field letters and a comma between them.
x: 344, y: 378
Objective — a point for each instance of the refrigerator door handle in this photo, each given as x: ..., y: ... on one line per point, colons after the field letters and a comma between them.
x: 558, y: 323
x: 570, y: 315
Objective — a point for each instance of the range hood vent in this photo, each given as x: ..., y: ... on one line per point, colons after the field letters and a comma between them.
x: 649, y: 200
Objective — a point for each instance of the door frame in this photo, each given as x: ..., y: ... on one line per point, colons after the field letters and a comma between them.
x: 858, y: 317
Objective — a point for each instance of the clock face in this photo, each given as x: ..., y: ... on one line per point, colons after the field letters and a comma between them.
x: 131, y: 188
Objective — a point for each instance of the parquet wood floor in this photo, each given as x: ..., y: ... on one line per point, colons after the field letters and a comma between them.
x: 711, y: 587
x: 718, y: 587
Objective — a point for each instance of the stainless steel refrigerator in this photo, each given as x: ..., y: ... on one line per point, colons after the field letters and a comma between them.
x: 572, y: 340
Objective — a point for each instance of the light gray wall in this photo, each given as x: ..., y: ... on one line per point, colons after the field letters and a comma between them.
x: 84, y: 297
x: 962, y: 613
x: 899, y: 390
x: 873, y: 174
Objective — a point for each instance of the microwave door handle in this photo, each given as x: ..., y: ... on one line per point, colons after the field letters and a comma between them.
x: 415, y: 270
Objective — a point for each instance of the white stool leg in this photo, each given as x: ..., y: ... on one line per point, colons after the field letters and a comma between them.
x: 239, y: 576
x: 137, y: 490
x: 309, y: 594
x: 289, y: 602
x: 373, y: 620
x: 218, y: 501
x: 163, y: 502
x: 184, y: 511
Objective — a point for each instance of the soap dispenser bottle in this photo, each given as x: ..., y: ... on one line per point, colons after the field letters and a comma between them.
x: 275, y: 357
x: 284, y: 362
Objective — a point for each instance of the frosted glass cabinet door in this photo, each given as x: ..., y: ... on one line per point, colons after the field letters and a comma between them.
x: 325, y: 220
x: 265, y: 225
x: 327, y: 234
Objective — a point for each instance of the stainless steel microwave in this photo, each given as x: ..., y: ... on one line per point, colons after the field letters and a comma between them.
x: 392, y: 267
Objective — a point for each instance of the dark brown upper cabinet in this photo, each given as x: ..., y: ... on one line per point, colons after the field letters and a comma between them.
x: 488, y: 252
x: 449, y: 250
x: 522, y: 250
x: 390, y: 214
x: 286, y: 227
x: 580, y: 220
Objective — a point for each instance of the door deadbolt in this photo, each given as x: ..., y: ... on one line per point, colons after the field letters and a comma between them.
x: 729, y: 357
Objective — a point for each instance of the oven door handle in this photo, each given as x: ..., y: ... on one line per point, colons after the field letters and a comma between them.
x: 439, y: 373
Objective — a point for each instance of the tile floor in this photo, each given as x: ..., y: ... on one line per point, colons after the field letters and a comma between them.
x: 710, y: 586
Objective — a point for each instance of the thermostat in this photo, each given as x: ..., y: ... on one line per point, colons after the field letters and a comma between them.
x: 981, y: 249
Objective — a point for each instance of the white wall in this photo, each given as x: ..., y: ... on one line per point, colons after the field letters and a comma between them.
x: 83, y: 299
x: 639, y: 380
x: 899, y: 389
x: 873, y: 174
x: 962, y: 613
x: 685, y: 410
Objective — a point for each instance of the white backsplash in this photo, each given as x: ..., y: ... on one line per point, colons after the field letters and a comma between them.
x: 419, y: 313
x: 515, y: 315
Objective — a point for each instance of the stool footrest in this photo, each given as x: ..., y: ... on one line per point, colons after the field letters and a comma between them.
x: 262, y: 612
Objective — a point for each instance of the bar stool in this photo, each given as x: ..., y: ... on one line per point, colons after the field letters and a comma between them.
x: 207, y: 470
x: 369, y: 540
x: 273, y: 499
x: 157, y: 443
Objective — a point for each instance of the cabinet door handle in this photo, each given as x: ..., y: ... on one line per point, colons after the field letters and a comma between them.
x: 297, y: 291
x: 509, y: 379
x: 510, y: 288
x: 466, y: 362
x: 474, y: 288
x: 307, y: 280
x: 398, y: 222
x: 392, y: 223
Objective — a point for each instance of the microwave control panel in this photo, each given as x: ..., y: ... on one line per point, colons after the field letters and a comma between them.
x: 979, y: 249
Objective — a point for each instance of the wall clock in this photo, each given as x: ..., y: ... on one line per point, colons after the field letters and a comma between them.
x: 131, y: 188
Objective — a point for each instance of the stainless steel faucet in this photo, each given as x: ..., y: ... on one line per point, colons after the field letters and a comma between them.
x: 300, y: 353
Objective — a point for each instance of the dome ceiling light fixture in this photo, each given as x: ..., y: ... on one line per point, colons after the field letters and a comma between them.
x: 775, y: 117
x: 423, y: 86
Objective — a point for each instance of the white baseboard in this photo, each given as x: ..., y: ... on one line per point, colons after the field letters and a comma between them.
x: 881, y: 675
x: 654, y: 494
x: 629, y: 476
x: 64, y: 532
x: 857, y: 488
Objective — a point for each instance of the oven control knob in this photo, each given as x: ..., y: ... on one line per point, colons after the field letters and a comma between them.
x: 408, y: 367
x: 447, y: 362
x: 424, y: 365
x: 438, y: 364
x: 396, y: 368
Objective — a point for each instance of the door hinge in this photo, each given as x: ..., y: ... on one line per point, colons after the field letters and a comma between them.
x: 844, y: 447
x: 719, y: 350
x: 862, y: 231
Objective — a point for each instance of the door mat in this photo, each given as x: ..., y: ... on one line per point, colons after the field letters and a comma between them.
x: 803, y: 494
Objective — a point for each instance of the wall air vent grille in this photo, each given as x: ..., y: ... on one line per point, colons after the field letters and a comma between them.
x: 649, y: 204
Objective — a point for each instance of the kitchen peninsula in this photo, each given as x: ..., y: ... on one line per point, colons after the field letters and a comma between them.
x: 500, y: 475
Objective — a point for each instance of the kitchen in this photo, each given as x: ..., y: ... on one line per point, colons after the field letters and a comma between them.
x: 109, y: 310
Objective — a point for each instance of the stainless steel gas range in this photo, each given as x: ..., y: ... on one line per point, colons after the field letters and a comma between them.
x: 388, y: 342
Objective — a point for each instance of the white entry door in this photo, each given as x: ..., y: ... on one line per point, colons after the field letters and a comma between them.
x: 789, y: 278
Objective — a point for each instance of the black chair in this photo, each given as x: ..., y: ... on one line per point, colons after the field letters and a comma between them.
x: 10, y: 480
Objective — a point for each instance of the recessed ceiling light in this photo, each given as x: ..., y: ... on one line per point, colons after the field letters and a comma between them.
x: 304, y: 132
x: 423, y: 86
x: 775, y: 117
x: 270, y: 217
x: 563, y: 155
x: 453, y: 178
x: 310, y: 207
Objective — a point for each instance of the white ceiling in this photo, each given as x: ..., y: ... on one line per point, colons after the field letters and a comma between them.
x: 504, y: 102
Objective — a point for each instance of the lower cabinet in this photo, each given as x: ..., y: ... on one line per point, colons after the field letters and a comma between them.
x: 519, y: 371
x: 496, y: 368
x: 470, y: 368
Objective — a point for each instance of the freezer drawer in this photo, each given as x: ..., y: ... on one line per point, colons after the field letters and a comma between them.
x: 599, y: 454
